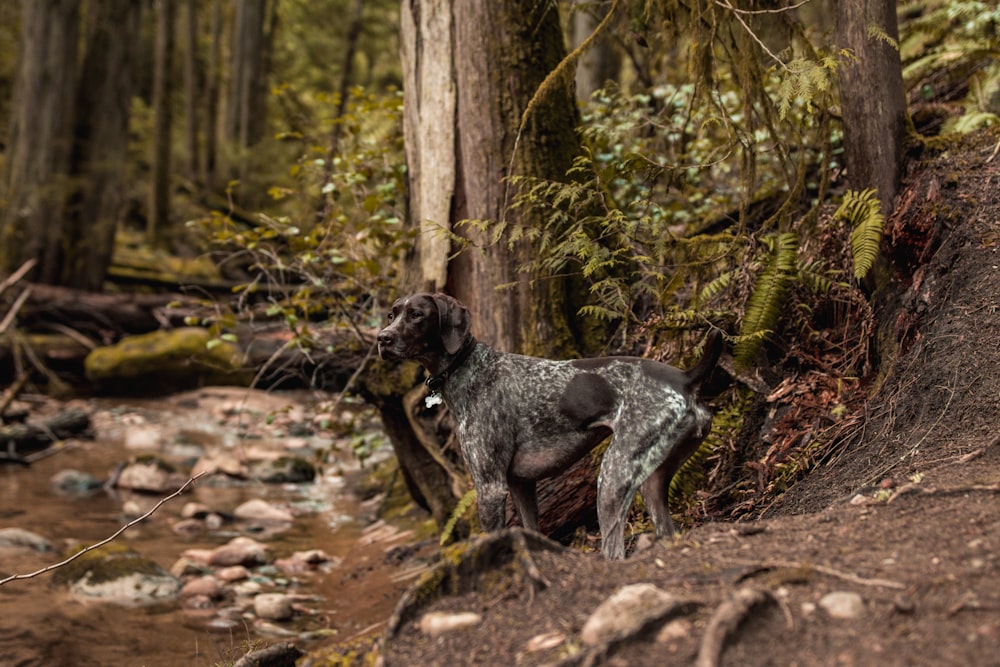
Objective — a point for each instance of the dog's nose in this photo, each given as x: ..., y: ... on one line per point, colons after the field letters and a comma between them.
x: 385, y: 337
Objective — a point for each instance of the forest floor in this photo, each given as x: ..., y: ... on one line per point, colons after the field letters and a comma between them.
x: 905, y: 516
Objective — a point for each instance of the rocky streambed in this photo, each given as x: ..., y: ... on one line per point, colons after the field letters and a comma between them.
x: 273, y: 541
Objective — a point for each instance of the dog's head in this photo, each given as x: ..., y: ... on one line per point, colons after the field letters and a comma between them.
x: 425, y: 327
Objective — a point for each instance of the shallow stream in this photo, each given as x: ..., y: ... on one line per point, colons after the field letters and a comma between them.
x: 42, y: 624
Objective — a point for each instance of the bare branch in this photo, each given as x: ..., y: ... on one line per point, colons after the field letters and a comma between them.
x: 103, y: 542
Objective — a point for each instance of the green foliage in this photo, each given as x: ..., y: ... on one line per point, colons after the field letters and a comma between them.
x: 948, y: 46
x: 764, y: 307
x: 804, y: 80
x: 464, y: 505
x: 339, y: 234
x: 862, y: 210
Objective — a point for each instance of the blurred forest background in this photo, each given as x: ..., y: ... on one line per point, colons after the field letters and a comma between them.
x: 588, y: 176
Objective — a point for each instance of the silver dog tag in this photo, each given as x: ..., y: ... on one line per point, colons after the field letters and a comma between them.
x: 433, y: 399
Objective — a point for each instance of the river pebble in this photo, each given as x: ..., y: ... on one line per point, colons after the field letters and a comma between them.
x: 273, y: 606
x: 206, y: 586
x: 232, y: 573
x: 262, y: 511
x: 238, y: 551
x: 19, y: 537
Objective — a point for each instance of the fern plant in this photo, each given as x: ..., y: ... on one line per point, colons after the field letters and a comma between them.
x: 764, y: 307
x: 863, y: 211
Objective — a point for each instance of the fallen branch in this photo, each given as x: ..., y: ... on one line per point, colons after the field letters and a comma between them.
x: 823, y: 569
x: 107, y: 540
x: 943, y: 491
x: 724, y: 622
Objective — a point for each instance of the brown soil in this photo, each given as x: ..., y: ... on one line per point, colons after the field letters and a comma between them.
x: 904, y: 510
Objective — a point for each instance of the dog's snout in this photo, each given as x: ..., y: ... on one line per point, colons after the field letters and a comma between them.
x: 386, y: 337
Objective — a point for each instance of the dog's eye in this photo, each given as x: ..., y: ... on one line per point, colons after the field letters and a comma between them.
x: 416, y: 314
x: 391, y: 317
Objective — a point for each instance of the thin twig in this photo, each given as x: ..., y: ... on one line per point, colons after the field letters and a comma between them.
x: 724, y: 622
x: 17, y: 275
x: 753, y: 35
x: 994, y: 153
x: 105, y: 541
x: 12, y: 313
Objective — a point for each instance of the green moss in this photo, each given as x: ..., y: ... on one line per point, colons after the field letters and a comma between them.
x: 166, y: 361
x: 107, y: 563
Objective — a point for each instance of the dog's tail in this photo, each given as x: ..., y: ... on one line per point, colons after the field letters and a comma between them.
x: 700, y: 371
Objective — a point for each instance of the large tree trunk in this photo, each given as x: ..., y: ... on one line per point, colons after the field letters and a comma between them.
x: 159, y: 202
x: 38, y: 149
x: 503, y: 51
x: 192, y: 88
x: 101, y: 149
x: 213, y: 77
x: 471, y: 68
x: 872, y: 98
x: 245, y: 116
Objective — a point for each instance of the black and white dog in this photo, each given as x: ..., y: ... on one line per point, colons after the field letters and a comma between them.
x: 521, y: 419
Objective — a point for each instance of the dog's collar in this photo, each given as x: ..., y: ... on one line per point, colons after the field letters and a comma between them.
x: 436, y: 382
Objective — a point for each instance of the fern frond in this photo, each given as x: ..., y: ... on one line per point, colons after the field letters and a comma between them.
x: 863, y: 211
x: 467, y: 501
x: 764, y: 305
x: 816, y: 276
x: 714, y: 288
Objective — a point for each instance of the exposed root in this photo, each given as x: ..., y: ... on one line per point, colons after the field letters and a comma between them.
x: 725, y: 621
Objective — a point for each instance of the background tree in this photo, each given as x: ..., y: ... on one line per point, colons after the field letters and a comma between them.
x: 875, y: 125
x: 158, y: 219
x: 39, y: 144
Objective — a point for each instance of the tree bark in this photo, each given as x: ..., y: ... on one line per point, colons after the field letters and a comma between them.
x: 872, y: 98
x: 39, y: 144
x: 503, y: 51
x: 601, y: 62
x: 159, y: 204
x: 212, y: 91
x: 245, y: 118
x: 104, y: 97
x: 192, y: 86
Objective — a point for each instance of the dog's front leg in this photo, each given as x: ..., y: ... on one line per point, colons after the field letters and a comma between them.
x: 491, y: 496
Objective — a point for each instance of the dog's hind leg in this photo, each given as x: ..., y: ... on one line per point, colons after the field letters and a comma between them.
x: 524, y: 494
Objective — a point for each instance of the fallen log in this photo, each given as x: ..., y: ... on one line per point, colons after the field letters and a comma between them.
x: 21, y: 439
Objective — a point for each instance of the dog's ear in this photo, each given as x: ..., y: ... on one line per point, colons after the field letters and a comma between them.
x: 454, y: 322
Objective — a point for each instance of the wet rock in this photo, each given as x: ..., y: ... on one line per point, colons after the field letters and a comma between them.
x: 273, y: 606
x: 438, y: 622
x: 843, y: 604
x: 263, y: 512
x: 142, y: 436
x: 75, y: 482
x: 19, y: 537
x: 301, y: 562
x: 283, y: 470
x: 186, y: 567
x: 225, y: 463
x: 206, y: 586
x: 150, y: 474
x: 238, y: 551
x: 188, y: 527
x: 626, y: 612
x: 232, y: 573
x: 116, y: 573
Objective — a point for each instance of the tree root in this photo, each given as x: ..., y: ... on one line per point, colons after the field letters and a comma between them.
x: 725, y: 621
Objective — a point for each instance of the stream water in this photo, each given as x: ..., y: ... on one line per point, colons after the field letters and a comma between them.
x: 42, y: 624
